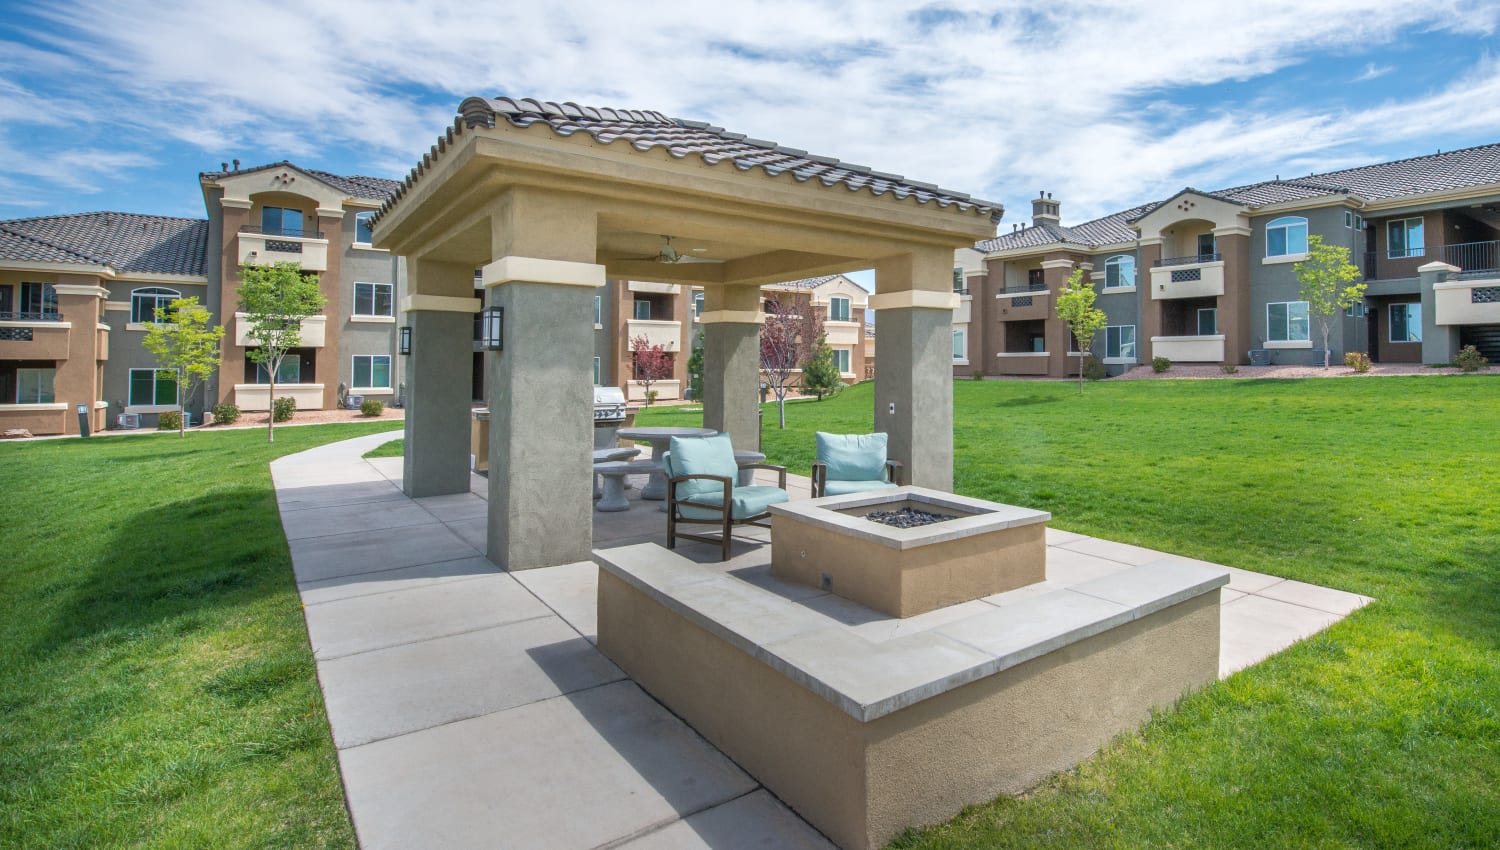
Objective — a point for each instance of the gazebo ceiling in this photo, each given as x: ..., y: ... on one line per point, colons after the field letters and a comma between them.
x: 760, y: 212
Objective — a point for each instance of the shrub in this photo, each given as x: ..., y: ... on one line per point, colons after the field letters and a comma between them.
x: 1160, y: 364
x: 977, y: 375
x: 1358, y: 361
x: 1093, y: 370
x: 1229, y: 367
x: 1470, y: 360
x: 169, y: 421
x: 283, y: 408
x: 650, y: 397
x: 226, y: 414
x: 371, y: 407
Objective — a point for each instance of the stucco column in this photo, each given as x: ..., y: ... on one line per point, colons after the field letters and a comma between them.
x: 330, y: 283
x: 1236, y: 319
x: 438, y: 373
x: 1149, y: 252
x: 1439, y: 342
x: 80, y: 300
x: 731, y: 322
x: 914, y: 305
x: 541, y: 402
x: 1055, y: 272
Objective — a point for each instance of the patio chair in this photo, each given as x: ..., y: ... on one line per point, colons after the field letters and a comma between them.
x: 853, y: 463
x: 701, y: 475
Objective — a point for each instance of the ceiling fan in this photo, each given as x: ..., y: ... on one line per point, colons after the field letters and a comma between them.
x: 670, y: 255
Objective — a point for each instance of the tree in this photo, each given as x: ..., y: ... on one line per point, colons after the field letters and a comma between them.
x: 1330, y: 284
x: 695, y: 370
x: 820, y: 374
x: 1075, y: 306
x: 786, y: 341
x: 652, y: 363
x: 275, y: 300
x: 185, y: 347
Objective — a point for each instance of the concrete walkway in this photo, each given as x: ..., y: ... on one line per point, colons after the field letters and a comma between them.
x: 471, y: 709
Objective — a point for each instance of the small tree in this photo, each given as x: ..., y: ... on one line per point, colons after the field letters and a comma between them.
x: 786, y: 341
x: 185, y: 347
x: 275, y: 300
x: 1075, y: 306
x: 1330, y: 284
x: 652, y: 363
x: 695, y: 370
x: 820, y: 374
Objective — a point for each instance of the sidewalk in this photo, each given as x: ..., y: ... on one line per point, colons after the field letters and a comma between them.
x: 471, y: 709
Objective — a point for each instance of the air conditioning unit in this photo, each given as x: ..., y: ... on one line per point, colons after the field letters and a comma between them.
x: 129, y: 421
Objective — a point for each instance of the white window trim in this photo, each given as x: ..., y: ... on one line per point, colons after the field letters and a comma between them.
x: 1199, y: 323
x: 1408, y: 255
x: 147, y: 292
x: 1288, y: 258
x: 1391, y: 326
x: 848, y: 308
x: 355, y: 314
x: 389, y: 368
x: 1287, y: 223
x: 598, y: 312
x: 364, y: 245
x: 1133, y: 271
x: 1117, y: 290
x: 598, y: 375
x: 1135, y: 340
x: 154, y: 407
x: 1287, y: 343
x: 849, y: 355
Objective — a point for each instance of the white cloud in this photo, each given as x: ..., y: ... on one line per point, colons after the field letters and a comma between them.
x: 1373, y: 71
x: 1090, y: 100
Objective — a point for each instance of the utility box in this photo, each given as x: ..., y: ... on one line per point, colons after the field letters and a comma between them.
x: 1260, y: 357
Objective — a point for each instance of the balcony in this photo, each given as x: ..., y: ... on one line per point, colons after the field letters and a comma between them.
x: 1479, y: 258
x: 846, y: 333
x: 1022, y: 362
x: 965, y: 311
x: 1024, y: 305
x: 34, y: 336
x: 668, y: 335
x: 258, y: 396
x: 1196, y: 276
x: 257, y: 247
x: 665, y: 390
x: 1467, y: 301
x: 311, y: 336
x: 1189, y: 349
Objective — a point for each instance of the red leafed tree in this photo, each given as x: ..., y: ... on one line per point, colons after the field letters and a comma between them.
x: 652, y: 363
x: 787, y: 340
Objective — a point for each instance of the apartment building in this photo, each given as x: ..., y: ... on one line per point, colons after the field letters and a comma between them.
x: 78, y: 292
x: 1208, y: 277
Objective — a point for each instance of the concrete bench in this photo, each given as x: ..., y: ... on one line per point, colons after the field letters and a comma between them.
x: 605, y: 456
x: 614, y: 474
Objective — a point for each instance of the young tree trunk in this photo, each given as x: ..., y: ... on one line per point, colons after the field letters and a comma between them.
x: 1326, y: 354
x: 781, y: 408
x: 271, y: 409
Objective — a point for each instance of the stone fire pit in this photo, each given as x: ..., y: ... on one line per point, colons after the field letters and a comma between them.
x: 979, y: 549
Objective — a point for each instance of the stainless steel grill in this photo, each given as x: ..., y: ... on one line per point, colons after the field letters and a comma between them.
x: 609, y: 415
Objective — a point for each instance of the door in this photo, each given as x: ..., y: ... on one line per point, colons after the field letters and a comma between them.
x: 1372, y: 333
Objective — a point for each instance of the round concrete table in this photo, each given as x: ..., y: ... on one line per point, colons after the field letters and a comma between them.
x: 743, y: 459
x: 660, y: 439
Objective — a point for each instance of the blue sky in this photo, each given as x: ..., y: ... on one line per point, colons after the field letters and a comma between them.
x: 114, y: 104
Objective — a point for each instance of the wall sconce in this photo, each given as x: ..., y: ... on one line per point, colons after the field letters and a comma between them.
x: 404, y: 345
x: 492, y: 331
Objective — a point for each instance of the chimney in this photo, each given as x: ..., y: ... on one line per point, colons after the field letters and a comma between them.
x: 223, y: 166
x: 1044, y: 208
x: 236, y: 165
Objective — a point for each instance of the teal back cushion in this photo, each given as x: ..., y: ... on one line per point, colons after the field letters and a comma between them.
x: 702, y: 456
x: 852, y: 457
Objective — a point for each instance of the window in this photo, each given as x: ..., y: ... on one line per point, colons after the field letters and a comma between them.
x: 1359, y: 222
x: 1286, y: 321
x: 145, y: 302
x: 152, y: 387
x: 1208, y: 321
x: 1348, y: 218
x: 1119, y: 271
x: 596, y: 371
x: 1406, y: 322
x: 642, y: 309
x: 1119, y: 342
x: 289, y: 373
x: 960, y: 344
x: 38, y: 299
x: 34, y: 386
x: 280, y: 221
x: 1036, y: 279
x: 1286, y: 236
x: 1208, y: 246
x: 697, y: 303
x: 7, y: 302
x: 841, y: 359
x: 1404, y: 238
x: 838, y: 309
x: 1356, y: 311
x: 598, y: 312
x: 372, y: 371
x: 958, y: 279
x: 373, y: 299
x: 364, y: 227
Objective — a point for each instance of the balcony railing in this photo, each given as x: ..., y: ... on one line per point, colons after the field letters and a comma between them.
x: 1026, y: 287
x: 282, y: 231
x: 1473, y: 258
x: 960, y: 290
x: 1188, y: 260
x: 29, y: 316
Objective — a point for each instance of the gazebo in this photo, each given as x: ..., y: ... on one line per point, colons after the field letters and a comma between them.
x: 549, y: 200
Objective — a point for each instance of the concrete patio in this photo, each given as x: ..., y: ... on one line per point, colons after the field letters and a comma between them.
x: 470, y: 707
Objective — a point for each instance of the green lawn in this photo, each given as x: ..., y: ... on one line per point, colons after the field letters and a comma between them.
x: 1383, y: 731
x: 156, y: 685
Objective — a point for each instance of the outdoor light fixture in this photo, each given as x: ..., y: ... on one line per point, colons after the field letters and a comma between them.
x: 404, y: 346
x: 492, y: 337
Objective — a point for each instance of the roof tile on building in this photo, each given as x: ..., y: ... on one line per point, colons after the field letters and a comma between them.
x: 357, y: 186
x: 645, y: 130
x: 804, y: 283
x: 126, y: 242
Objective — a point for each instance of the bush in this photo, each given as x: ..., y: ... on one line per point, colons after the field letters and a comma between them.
x: 1229, y: 367
x: 226, y: 414
x: 976, y: 375
x: 1470, y: 360
x: 1093, y: 370
x: 650, y: 397
x: 371, y: 407
x: 1160, y: 364
x: 1358, y: 361
x: 169, y: 421
x: 283, y: 408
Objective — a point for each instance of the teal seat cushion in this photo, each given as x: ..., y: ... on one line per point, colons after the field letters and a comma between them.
x: 844, y: 488
x: 852, y: 457
x: 701, y: 456
x: 744, y: 502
